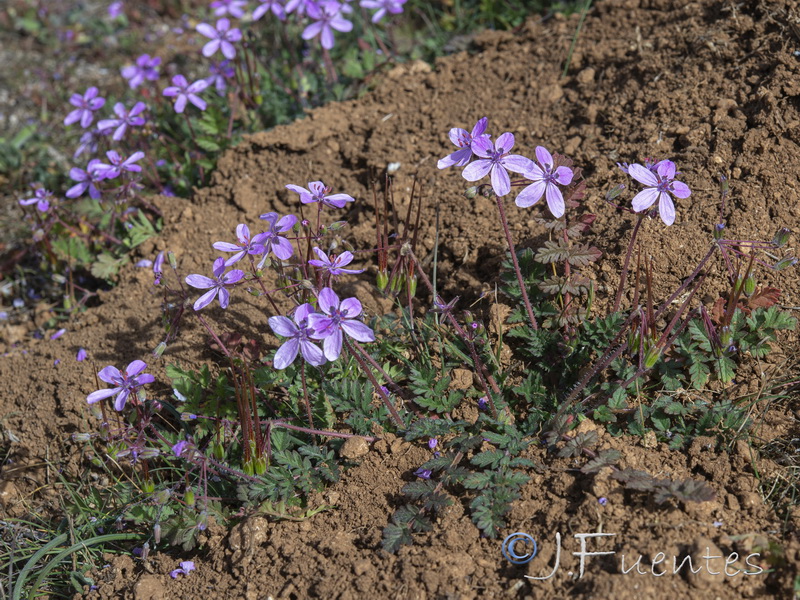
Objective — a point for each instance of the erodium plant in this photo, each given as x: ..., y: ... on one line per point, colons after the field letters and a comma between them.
x: 267, y: 427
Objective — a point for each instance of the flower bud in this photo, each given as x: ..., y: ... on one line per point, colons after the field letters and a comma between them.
x: 157, y: 533
x: 218, y: 450
x: 781, y: 237
x: 651, y: 357
x: 159, y: 350
x: 188, y: 497
x: 81, y: 437
x: 785, y: 263
x: 382, y: 281
x: 471, y: 192
x: 749, y: 285
x: 718, y: 229
x: 173, y: 262
x: 162, y: 497
x: 148, y: 487
x: 412, y: 284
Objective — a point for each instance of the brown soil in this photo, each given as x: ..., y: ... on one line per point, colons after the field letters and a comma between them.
x: 712, y: 85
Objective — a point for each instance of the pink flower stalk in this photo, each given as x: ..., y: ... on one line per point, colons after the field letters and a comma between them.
x: 222, y: 38
x: 317, y: 192
x: 215, y: 286
x: 299, y: 333
x: 544, y: 180
x: 660, y: 185
x: 125, y: 383
x: 463, y: 139
x: 86, y: 105
x: 327, y: 17
x: 496, y: 162
x: 183, y: 93
x: 338, y: 317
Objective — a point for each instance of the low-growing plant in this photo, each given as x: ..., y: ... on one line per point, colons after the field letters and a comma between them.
x: 260, y: 431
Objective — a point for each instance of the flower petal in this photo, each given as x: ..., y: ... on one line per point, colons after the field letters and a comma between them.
x: 517, y: 163
x: 531, y: 194
x: 358, y: 330
x: 286, y: 354
x: 101, y: 395
x: 643, y: 175
x: 680, y: 189
x: 544, y: 157
x: 200, y: 282
x: 311, y: 352
x: 505, y: 142
x: 564, y: 175
x: 328, y: 300
x: 136, y: 367
x: 282, y: 326
x: 555, y: 201
x: 644, y: 199
x: 205, y: 299
x: 501, y: 183
x: 110, y: 375
x: 352, y: 307
x: 333, y: 345
x: 477, y: 170
x: 119, y: 401
x: 666, y: 209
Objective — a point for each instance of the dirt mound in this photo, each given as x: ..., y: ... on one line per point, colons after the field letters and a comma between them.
x: 713, y: 86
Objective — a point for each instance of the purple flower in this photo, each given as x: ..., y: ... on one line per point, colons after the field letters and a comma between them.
x: 58, y: 334
x: 298, y: 7
x: 246, y: 245
x: 145, y: 68
x: 234, y: 8
x: 462, y: 139
x: 86, y: 105
x: 186, y: 567
x: 221, y: 37
x: 220, y: 73
x: 125, y: 118
x: 327, y: 17
x: 178, y: 448
x: 544, y: 180
x: 299, y: 334
x: 393, y: 6
x: 496, y: 160
x: 185, y: 92
x: 158, y: 265
x: 86, y: 180
x: 333, y: 264
x: 116, y: 9
x: 432, y: 443
x: 125, y: 383
x: 423, y: 473
x: 81, y: 355
x: 317, y: 193
x: 119, y: 164
x: 602, y: 501
x: 276, y: 6
x: 338, y: 317
x: 214, y: 286
x: 89, y: 141
x: 659, y: 183
x: 272, y: 241
x: 483, y: 403
x: 41, y: 198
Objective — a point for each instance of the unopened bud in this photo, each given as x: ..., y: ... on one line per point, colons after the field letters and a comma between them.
x: 382, y: 280
x: 188, y: 497
x: 614, y: 192
x: 749, y: 285
x: 651, y: 357
x: 81, y: 437
x: 718, y: 229
x: 173, y: 262
x: 162, y: 497
x: 157, y: 533
x: 337, y: 225
x: 148, y: 487
x: 471, y: 192
x: 785, y: 263
x: 159, y: 350
x: 412, y: 284
x: 781, y: 237
x: 307, y: 284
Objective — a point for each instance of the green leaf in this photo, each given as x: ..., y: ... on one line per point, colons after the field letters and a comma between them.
x: 107, y: 267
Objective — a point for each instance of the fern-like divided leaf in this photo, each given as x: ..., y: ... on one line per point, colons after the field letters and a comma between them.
x: 687, y: 490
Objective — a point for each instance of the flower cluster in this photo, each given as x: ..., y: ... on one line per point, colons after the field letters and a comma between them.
x: 480, y: 157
